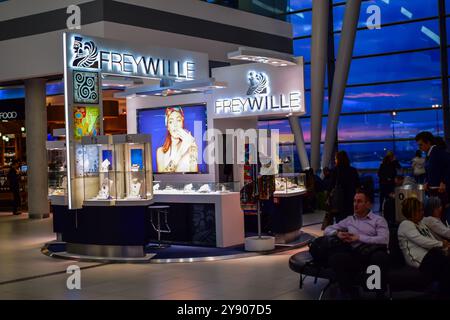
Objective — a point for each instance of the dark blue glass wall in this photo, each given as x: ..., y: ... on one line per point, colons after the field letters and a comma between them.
x: 395, y: 83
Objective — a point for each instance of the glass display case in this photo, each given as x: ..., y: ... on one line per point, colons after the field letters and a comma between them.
x: 133, y: 168
x: 160, y: 187
x: 290, y: 183
x: 99, y: 180
x: 57, y: 171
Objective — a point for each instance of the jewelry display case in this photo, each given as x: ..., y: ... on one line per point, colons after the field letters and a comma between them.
x: 99, y: 180
x: 57, y: 171
x: 133, y: 168
x: 290, y: 183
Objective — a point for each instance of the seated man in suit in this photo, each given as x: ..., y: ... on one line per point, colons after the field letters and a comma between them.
x: 367, y: 235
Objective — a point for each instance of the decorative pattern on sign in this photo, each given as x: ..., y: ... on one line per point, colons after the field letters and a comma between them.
x: 85, y: 54
x: 85, y: 87
x: 258, y: 83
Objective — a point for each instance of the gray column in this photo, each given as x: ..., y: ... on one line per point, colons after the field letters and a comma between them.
x: 299, y: 141
x: 319, y: 50
x: 36, y: 127
x: 344, y: 59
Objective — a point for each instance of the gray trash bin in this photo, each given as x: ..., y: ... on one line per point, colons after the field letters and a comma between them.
x: 404, y: 192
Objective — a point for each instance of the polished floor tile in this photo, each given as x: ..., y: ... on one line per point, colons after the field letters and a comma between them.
x: 33, y: 275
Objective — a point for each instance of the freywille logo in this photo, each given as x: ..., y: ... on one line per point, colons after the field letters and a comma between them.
x: 85, y: 54
x: 259, y: 98
x: 258, y: 82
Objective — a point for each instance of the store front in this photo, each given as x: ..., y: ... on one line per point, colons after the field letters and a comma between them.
x: 192, y: 146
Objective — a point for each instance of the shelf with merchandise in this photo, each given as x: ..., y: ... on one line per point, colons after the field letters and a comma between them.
x: 57, y: 171
x: 160, y: 187
x: 133, y: 169
x: 97, y: 169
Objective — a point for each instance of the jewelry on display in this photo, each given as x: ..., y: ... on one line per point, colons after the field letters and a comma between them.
x: 188, y: 188
x: 204, y: 189
x: 135, y: 188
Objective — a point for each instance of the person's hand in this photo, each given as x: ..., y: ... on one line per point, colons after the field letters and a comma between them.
x: 351, y: 237
x: 342, y: 235
x: 185, y: 135
x: 425, y: 186
x: 445, y: 244
x: 441, y: 188
x: 187, y: 140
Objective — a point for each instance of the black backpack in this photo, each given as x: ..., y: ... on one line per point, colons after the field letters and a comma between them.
x: 321, y: 248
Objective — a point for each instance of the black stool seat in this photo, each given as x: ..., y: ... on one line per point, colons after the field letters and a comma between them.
x: 158, y: 207
x: 164, y: 210
x: 302, y: 263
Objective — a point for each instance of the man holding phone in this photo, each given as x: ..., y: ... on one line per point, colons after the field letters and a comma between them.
x: 367, y: 235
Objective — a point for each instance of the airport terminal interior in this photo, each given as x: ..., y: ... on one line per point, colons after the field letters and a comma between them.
x: 192, y: 149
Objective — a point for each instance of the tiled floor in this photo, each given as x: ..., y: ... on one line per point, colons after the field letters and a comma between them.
x: 260, y: 277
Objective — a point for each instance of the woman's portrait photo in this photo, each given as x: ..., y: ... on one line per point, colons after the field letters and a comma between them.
x: 179, y: 152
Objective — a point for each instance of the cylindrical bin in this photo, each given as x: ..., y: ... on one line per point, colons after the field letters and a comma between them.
x: 404, y: 192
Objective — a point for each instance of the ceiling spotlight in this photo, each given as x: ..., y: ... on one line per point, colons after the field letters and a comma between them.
x: 262, y: 56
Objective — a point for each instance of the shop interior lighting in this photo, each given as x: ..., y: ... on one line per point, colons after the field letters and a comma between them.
x: 120, y: 82
x: 175, y: 88
x: 273, y: 58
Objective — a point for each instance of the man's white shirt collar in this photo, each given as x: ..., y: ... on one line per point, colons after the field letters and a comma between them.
x: 429, y: 151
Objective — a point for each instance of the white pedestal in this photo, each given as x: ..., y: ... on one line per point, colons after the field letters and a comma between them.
x: 264, y: 243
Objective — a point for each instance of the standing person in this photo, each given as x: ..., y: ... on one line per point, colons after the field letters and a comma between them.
x: 418, y: 165
x: 421, y: 248
x: 344, y: 182
x: 14, y: 185
x: 387, y: 173
x: 437, y: 168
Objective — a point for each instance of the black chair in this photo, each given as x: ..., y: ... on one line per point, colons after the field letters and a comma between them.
x: 401, y: 277
x: 303, y: 263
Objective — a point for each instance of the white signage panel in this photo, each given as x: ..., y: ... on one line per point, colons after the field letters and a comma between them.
x: 137, y: 60
x: 259, y: 90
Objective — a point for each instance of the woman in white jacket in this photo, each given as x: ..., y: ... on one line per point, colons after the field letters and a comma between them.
x: 420, y: 247
x: 433, y: 218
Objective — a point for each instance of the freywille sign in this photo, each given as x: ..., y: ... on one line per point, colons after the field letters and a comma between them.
x: 260, y: 90
x: 94, y: 55
x: 88, y: 60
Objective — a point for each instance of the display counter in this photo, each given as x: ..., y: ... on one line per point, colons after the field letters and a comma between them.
x: 110, y: 231
x: 214, y: 219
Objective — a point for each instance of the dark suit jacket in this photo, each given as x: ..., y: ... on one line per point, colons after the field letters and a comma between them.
x: 437, y: 167
x: 348, y: 179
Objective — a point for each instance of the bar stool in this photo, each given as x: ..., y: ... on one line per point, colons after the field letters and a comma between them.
x: 164, y: 210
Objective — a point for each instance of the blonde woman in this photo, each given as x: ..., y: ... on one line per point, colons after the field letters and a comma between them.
x: 421, y: 248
